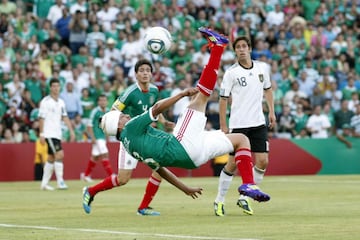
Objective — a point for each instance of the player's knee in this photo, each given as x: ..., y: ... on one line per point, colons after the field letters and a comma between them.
x: 123, y: 177
x: 262, y: 163
x: 122, y: 180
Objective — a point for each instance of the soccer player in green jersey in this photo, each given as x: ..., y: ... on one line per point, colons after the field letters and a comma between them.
x: 189, y: 145
x: 99, y: 151
x: 135, y: 100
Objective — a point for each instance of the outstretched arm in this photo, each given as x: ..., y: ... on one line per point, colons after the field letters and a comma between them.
x: 165, y: 103
x: 171, y: 178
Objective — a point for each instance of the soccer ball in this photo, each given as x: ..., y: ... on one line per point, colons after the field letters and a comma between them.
x: 157, y: 40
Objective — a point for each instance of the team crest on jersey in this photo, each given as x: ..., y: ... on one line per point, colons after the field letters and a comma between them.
x: 261, y: 77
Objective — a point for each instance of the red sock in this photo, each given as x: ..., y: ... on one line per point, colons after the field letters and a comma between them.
x: 90, y: 166
x: 107, y: 166
x: 106, y: 184
x: 208, y: 76
x: 244, y: 164
x: 150, y: 191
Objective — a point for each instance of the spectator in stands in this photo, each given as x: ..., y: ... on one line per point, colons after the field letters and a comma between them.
x: 311, y: 71
x: 306, y: 85
x: 27, y: 104
x: 107, y: 14
x: 72, y: 101
x: 15, y: 90
x: 349, y: 88
x: 316, y: 98
x: 294, y: 91
x: 276, y: 17
x: 55, y: 12
x: 87, y: 103
x: 201, y: 57
x: 130, y: 52
x: 7, y: 136
x: 318, y: 124
x: 78, y: 5
x: 4, y: 99
x: 342, y: 116
x: 7, y: 7
x: 5, y: 63
x: 95, y: 39
x: 300, y: 120
x: 62, y: 27
x: 286, y: 123
x: 179, y: 106
x: 343, y: 134
x: 16, y: 133
x: 79, y: 129
x: 77, y: 25
x: 354, y: 101
x: 112, y: 53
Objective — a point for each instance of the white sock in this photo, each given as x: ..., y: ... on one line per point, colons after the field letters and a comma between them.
x: 224, y: 185
x: 48, y: 171
x: 258, y: 174
x: 59, y: 171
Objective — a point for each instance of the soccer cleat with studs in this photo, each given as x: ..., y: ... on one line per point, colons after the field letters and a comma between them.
x: 147, y: 212
x: 87, y: 199
x: 219, y: 209
x: 244, y: 203
x: 213, y: 37
x: 253, y: 191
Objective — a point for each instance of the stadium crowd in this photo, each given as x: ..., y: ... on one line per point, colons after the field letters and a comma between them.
x: 92, y: 46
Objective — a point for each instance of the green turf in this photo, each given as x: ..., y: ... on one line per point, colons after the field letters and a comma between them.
x: 301, y: 207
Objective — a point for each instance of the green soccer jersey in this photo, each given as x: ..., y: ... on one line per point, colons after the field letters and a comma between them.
x: 134, y: 102
x: 95, y: 114
x: 152, y: 146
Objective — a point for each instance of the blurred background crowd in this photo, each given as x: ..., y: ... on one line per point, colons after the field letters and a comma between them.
x: 92, y: 46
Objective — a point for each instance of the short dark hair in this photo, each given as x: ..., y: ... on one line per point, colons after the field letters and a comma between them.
x: 101, y: 96
x: 54, y: 80
x: 142, y: 62
x: 240, y: 38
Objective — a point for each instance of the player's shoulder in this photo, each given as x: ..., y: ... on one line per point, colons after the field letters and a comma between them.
x: 232, y: 68
x: 261, y: 63
x: 153, y: 87
x: 129, y: 90
x: 46, y: 98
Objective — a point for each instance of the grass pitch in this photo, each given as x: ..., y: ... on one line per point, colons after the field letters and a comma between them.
x: 301, y: 207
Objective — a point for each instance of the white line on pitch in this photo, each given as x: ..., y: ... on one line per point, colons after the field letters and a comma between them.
x: 120, y: 232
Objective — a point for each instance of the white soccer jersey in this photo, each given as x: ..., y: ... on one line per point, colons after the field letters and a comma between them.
x: 52, y: 112
x: 246, y: 87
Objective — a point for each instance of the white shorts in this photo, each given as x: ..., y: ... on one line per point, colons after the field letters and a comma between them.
x: 99, y: 147
x: 125, y: 160
x: 199, y: 144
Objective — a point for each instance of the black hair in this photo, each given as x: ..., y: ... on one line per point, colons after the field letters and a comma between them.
x: 142, y: 62
x: 244, y: 38
x: 54, y: 80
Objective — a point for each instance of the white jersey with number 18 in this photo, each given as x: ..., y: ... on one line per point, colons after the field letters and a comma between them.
x: 246, y: 87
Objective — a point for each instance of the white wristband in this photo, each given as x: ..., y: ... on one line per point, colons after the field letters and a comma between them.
x: 41, y: 134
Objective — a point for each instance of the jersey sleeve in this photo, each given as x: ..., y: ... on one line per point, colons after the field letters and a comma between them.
x: 63, y: 109
x: 226, y: 85
x: 118, y: 105
x: 267, y: 80
x: 138, y: 124
x: 42, y: 110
